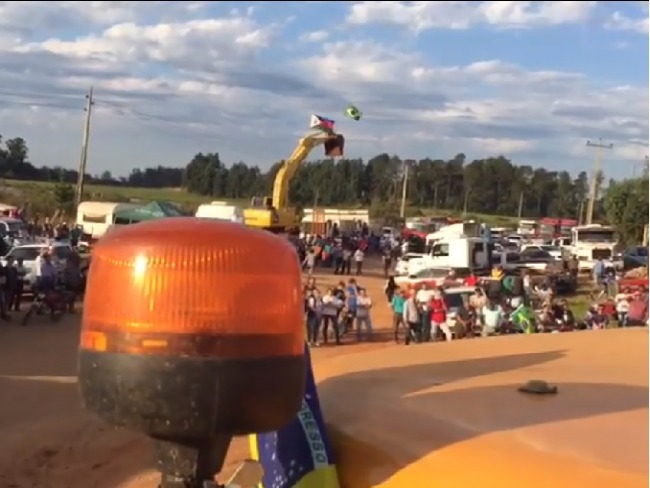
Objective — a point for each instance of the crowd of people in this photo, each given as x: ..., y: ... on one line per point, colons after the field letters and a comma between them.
x: 494, y: 305
x: 50, y: 276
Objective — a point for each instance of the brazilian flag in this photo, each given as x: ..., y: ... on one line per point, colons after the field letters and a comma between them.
x: 353, y: 112
x: 299, y: 455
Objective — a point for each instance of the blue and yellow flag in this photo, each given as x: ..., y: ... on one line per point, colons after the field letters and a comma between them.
x: 300, y: 454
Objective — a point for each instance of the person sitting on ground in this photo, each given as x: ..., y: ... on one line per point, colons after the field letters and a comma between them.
x: 564, y: 316
x: 492, y: 318
x: 523, y: 318
x: 464, y: 326
x: 597, y: 319
x: 638, y: 311
x: 544, y: 294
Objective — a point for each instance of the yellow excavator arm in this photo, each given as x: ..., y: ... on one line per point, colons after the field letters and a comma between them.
x: 333, y: 147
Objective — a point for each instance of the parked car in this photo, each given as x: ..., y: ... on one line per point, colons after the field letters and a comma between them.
x: 402, y: 265
x: 555, y: 251
x: 635, y: 257
x: 431, y: 276
x: 29, y: 253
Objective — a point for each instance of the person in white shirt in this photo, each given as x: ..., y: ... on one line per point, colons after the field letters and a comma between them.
x: 364, y: 304
x: 332, y: 305
x: 358, y: 261
x: 622, y: 301
x: 412, y: 320
x: 423, y: 298
x: 46, y: 273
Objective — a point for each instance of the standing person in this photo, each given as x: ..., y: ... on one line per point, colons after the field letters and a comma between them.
x: 314, y: 310
x: 331, y: 307
x: 309, y: 262
x: 359, y: 256
x: 364, y: 304
x: 20, y: 284
x: 423, y: 298
x: 11, y: 284
x: 3, y: 293
x: 598, y: 273
x: 350, y: 305
x: 438, y: 308
x: 622, y: 307
x: 387, y: 259
x: 397, y: 304
x: 390, y: 288
x: 413, y: 320
x: 347, y: 262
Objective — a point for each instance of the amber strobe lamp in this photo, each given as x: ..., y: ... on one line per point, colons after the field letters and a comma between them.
x: 192, y: 333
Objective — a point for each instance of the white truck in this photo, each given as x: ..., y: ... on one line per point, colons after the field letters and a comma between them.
x: 220, y: 211
x: 453, y: 252
x: 589, y: 243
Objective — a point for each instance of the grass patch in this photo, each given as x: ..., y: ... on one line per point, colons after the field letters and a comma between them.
x: 39, y: 193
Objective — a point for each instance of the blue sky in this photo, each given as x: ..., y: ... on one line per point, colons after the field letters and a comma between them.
x: 529, y: 80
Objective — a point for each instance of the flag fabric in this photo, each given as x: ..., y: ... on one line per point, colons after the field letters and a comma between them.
x: 300, y: 454
x: 318, y: 122
x: 353, y: 112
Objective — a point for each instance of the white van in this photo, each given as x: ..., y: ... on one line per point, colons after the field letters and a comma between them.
x: 96, y: 217
x: 220, y: 211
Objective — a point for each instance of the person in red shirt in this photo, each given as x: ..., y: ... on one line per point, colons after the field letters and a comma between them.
x: 471, y: 280
x: 438, y: 308
x: 638, y: 313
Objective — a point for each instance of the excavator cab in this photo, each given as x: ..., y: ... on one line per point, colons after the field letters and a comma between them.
x: 334, y: 146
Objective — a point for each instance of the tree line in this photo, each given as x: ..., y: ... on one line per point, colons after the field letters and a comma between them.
x: 494, y: 185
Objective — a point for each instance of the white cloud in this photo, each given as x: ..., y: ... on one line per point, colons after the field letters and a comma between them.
x: 173, y: 78
x: 618, y: 21
x: 462, y: 15
x: 315, y: 36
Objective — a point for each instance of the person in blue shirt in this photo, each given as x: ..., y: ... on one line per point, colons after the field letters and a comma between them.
x: 397, y: 304
x: 598, y: 272
x: 350, y: 305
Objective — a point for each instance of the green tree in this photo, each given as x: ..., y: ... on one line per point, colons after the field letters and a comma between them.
x: 626, y: 204
x: 64, y: 195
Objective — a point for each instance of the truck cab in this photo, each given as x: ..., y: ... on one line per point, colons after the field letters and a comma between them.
x: 589, y: 243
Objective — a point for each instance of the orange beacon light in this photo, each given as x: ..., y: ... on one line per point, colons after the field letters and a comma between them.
x: 192, y: 332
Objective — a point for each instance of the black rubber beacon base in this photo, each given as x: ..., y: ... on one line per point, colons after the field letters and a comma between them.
x: 191, y: 407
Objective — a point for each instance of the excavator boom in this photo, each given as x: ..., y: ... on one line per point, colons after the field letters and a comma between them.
x: 333, y: 147
x: 279, y: 215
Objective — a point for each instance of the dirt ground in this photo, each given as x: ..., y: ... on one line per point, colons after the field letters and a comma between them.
x: 47, y: 440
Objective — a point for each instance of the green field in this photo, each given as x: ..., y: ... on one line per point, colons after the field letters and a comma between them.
x: 41, y: 195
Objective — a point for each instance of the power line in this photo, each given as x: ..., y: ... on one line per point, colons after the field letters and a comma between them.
x: 600, y: 146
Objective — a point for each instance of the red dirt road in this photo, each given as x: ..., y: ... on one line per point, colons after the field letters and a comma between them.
x: 47, y: 440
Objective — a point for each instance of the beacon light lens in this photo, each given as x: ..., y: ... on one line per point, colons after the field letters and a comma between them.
x: 195, y: 287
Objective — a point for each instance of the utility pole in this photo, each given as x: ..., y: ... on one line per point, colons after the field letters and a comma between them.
x: 84, y: 148
x: 466, y: 200
x: 593, y: 190
x: 520, y: 209
x: 405, y: 182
